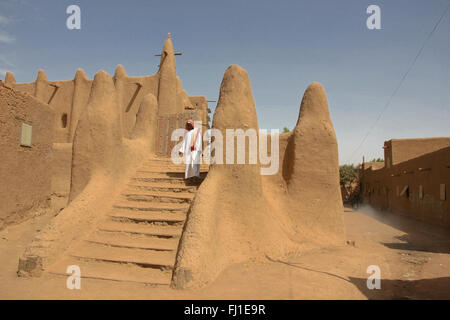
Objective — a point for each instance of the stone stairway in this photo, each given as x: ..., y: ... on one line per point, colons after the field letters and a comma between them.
x: 138, y: 239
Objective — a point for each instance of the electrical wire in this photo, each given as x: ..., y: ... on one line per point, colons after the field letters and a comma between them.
x: 401, y: 81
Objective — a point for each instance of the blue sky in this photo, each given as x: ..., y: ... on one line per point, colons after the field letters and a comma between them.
x: 284, y: 46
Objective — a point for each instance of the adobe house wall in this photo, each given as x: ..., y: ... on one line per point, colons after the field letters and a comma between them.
x: 60, y: 174
x: 59, y: 95
x: 420, y: 179
x: 131, y: 91
x: 70, y: 97
x: 400, y: 150
x: 24, y: 171
x: 374, y: 165
x: 200, y: 104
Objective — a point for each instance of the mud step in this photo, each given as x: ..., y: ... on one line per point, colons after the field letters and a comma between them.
x: 153, y: 198
x: 142, y: 228
x: 149, y: 258
x: 148, y: 216
x: 129, y: 240
x: 145, y: 195
x: 161, y: 168
x: 114, y: 271
x: 159, y: 160
x: 176, y: 182
x: 151, y: 206
x: 168, y: 161
x: 164, y: 174
x: 161, y: 187
x: 175, y: 169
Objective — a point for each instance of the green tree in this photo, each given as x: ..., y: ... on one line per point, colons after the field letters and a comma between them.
x: 348, y: 174
x: 286, y: 129
x: 377, y: 160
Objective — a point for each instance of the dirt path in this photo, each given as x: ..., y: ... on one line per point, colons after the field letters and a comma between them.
x: 414, y: 260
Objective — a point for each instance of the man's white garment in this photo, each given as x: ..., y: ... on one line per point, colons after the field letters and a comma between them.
x: 192, y: 158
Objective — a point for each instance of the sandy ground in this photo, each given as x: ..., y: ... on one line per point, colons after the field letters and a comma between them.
x: 414, y: 259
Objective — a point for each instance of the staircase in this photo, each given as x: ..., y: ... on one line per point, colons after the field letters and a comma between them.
x: 138, y: 239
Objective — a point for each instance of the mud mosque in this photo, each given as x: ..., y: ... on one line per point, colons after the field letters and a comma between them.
x: 96, y: 152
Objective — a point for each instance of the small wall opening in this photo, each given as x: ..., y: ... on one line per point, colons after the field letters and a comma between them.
x: 64, y: 120
x: 405, y: 191
x: 26, y: 135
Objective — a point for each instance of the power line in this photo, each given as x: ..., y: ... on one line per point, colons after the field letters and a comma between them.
x: 401, y: 81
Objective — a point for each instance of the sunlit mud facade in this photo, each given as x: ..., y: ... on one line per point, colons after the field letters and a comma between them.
x: 414, y: 180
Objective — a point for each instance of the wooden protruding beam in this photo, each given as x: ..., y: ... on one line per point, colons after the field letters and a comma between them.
x: 175, y: 54
x: 54, y: 92
x: 130, y: 104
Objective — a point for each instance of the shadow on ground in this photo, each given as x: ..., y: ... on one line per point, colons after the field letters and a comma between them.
x: 419, y: 235
x: 410, y: 242
x: 437, y: 288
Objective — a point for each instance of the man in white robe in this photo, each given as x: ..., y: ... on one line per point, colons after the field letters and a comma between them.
x: 191, y: 148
